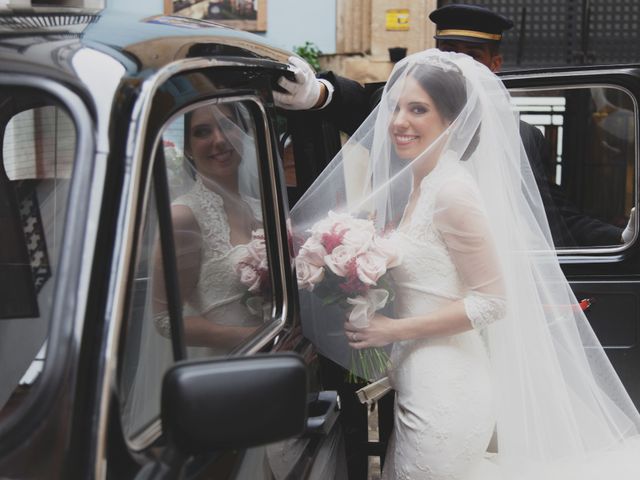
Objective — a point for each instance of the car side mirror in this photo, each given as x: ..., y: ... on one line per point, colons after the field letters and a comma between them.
x: 236, y: 403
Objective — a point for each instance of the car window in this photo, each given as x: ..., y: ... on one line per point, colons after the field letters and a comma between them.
x: 223, y: 275
x: 585, y: 164
x: 38, y: 153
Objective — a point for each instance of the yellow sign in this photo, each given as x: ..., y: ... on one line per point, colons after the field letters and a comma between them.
x: 398, y: 19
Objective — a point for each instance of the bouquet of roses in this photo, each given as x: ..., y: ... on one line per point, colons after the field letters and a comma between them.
x: 345, y: 262
x: 253, y: 270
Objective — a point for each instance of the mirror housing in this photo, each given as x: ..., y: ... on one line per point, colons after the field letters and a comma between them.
x: 234, y: 403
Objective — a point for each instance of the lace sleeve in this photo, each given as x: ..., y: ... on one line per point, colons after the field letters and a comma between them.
x: 483, y: 310
x: 462, y: 223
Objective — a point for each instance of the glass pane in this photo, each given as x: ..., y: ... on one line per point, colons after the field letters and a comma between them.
x: 585, y: 165
x: 212, y: 155
x: 147, y: 353
x: 38, y: 152
x: 211, y: 158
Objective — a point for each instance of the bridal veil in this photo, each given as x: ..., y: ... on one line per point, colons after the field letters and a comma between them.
x: 559, y: 403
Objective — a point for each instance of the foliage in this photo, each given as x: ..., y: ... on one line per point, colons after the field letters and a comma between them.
x: 310, y: 52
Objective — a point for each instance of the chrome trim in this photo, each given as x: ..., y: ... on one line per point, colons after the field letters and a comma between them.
x: 101, y: 73
x: 125, y: 229
x: 575, y: 255
x: 508, y: 75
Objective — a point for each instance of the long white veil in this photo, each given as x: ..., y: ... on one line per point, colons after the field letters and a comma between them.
x: 557, y: 395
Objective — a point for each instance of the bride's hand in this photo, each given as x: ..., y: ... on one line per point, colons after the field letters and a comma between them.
x: 379, y: 333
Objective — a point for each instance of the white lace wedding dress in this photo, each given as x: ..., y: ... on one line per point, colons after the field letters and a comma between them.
x: 218, y: 293
x: 443, y: 413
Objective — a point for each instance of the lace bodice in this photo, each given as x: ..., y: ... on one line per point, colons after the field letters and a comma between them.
x: 438, y: 253
x: 218, y: 290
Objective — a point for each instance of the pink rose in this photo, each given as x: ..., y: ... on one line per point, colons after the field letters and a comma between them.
x: 339, y: 259
x: 387, y: 249
x: 308, y: 275
x: 371, y: 267
x: 344, y: 221
x: 313, y: 252
x: 249, y: 277
x: 336, y: 222
x: 257, y: 250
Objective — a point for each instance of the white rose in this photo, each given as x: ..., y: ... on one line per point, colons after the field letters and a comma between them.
x: 313, y: 252
x: 339, y: 259
x: 323, y: 226
x: 371, y: 267
x: 359, y: 239
x: 249, y: 277
x: 257, y: 250
x: 387, y: 249
x: 344, y: 221
x: 308, y: 275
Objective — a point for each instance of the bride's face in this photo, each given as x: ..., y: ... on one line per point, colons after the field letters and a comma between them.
x: 212, y: 152
x: 416, y: 122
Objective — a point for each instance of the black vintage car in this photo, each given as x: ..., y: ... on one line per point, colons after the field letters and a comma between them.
x: 99, y: 374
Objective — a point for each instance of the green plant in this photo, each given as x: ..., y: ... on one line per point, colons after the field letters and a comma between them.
x: 310, y: 52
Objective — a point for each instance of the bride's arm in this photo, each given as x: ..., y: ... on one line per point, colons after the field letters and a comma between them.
x: 198, y: 331
x: 462, y: 223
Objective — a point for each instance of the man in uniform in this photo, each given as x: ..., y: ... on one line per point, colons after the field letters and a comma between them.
x: 477, y: 32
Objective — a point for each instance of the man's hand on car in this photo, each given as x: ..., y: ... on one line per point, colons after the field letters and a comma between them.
x: 302, y: 93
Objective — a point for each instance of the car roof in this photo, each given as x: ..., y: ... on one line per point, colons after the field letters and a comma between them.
x: 37, y: 39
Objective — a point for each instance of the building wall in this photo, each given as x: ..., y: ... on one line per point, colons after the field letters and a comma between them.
x: 363, y: 39
x: 289, y: 22
x: 352, y: 34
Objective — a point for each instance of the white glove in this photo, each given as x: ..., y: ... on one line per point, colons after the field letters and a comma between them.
x: 301, y: 94
x: 630, y: 229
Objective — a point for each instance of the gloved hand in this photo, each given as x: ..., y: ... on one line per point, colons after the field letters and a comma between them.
x: 630, y: 229
x: 301, y: 94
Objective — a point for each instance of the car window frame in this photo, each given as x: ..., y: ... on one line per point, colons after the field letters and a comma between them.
x: 273, y: 216
x: 266, y: 170
x: 65, y: 317
x: 541, y: 82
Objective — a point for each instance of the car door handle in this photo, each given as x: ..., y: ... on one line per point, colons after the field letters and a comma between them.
x: 324, y: 409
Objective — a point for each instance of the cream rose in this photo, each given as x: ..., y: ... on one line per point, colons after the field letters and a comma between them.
x: 370, y: 267
x: 359, y: 239
x: 249, y: 277
x: 257, y: 250
x: 339, y: 259
x: 313, y: 252
x: 387, y: 249
x: 308, y: 275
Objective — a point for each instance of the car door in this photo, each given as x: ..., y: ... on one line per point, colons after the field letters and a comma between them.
x: 211, y: 274
x: 46, y: 180
x: 589, y: 118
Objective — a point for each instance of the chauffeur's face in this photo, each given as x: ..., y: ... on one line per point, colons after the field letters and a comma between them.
x: 480, y: 52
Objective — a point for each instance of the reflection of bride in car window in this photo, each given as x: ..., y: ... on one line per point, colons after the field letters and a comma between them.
x: 214, y: 216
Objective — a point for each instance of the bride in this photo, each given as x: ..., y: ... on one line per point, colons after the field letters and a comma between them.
x: 486, y: 336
